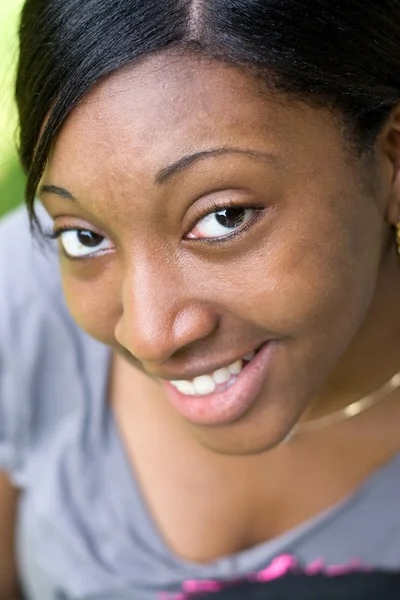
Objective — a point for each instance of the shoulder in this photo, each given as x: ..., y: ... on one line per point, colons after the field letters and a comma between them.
x: 38, y: 343
x: 28, y: 264
x: 31, y: 297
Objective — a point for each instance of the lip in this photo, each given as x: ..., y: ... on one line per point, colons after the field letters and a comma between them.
x: 230, y: 404
x: 200, y: 370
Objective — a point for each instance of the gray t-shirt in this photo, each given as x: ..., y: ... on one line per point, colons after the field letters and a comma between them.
x: 84, y: 531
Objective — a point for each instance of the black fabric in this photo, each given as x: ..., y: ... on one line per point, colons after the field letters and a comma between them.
x: 357, y: 586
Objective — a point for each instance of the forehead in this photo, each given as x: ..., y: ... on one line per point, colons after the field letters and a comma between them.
x: 152, y: 113
x: 168, y: 92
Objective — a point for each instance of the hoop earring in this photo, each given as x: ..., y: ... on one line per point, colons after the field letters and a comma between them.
x: 398, y: 237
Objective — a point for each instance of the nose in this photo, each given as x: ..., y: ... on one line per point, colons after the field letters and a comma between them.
x: 160, y: 312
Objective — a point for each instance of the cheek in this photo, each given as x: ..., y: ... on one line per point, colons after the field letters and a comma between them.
x: 311, y: 276
x: 94, y: 302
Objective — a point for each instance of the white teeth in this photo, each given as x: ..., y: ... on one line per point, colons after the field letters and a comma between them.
x: 204, y: 384
x: 236, y: 367
x: 184, y: 387
x: 222, y: 375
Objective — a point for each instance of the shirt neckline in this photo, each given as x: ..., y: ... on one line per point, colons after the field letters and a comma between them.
x: 131, y: 496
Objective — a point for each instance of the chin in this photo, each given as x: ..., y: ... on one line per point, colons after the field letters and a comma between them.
x: 240, y: 439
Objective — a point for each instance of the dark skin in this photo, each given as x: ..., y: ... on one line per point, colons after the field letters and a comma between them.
x: 315, y: 270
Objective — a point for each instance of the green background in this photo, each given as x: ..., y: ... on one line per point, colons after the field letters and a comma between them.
x: 11, y: 177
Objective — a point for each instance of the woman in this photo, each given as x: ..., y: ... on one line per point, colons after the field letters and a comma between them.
x: 207, y: 390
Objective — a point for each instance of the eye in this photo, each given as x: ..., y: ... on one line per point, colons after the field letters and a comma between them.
x: 222, y: 222
x: 82, y: 243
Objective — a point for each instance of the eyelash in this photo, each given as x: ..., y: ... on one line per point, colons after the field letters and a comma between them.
x: 54, y: 235
x: 214, y: 208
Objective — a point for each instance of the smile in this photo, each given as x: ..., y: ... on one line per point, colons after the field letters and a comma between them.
x: 225, y: 395
x: 214, y: 382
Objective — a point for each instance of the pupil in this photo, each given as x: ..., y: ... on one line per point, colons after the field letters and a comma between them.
x: 89, y: 239
x: 231, y: 217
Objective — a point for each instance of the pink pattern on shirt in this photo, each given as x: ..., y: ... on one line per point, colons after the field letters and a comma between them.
x: 280, y: 566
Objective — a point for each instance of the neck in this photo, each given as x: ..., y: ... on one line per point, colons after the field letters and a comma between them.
x: 373, y: 356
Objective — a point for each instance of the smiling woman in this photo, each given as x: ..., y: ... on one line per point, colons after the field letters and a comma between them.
x: 210, y: 390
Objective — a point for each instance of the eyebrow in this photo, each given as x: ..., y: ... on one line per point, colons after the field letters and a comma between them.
x: 167, y: 173
x: 59, y: 191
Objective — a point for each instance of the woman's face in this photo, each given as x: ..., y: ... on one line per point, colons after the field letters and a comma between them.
x: 224, y: 220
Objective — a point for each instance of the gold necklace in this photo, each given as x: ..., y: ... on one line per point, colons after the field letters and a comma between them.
x: 349, y: 411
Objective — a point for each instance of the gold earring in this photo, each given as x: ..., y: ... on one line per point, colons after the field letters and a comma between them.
x: 398, y: 236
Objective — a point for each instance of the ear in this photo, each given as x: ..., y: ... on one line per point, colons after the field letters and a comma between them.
x: 389, y: 149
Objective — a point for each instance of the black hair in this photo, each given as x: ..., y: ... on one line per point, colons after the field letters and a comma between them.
x: 340, y: 54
